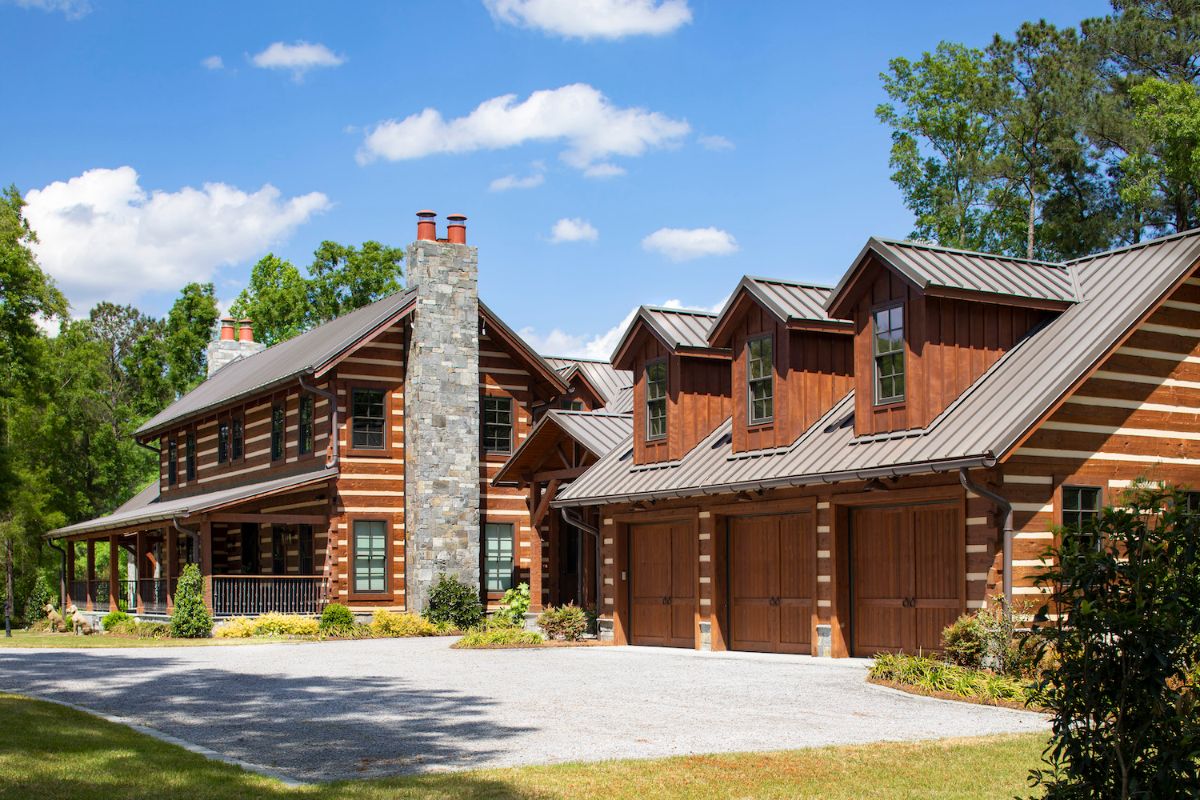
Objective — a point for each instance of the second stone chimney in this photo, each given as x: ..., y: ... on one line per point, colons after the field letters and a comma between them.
x: 231, y: 343
x: 441, y: 411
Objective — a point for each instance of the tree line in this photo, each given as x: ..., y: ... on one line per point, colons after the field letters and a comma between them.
x: 1053, y: 143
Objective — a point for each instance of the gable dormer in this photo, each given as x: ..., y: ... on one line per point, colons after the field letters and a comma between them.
x: 790, y: 360
x: 680, y: 382
x: 929, y: 321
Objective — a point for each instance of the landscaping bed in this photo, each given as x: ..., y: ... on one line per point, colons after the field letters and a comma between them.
x: 933, y: 678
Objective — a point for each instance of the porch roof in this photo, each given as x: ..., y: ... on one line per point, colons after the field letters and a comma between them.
x: 146, y: 507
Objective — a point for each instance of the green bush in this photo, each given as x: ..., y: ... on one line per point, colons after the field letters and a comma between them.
x: 389, y: 624
x: 114, y: 618
x: 142, y: 630
x: 963, y: 643
x: 515, y: 605
x: 567, y: 623
x: 454, y: 603
x: 190, y: 619
x: 933, y: 676
x: 336, y: 619
x: 35, y: 602
x: 269, y: 624
x: 503, y: 635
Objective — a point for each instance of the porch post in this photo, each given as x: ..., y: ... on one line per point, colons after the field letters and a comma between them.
x: 206, y: 562
x: 114, y: 575
x: 172, y: 565
x: 140, y: 560
x: 90, y: 600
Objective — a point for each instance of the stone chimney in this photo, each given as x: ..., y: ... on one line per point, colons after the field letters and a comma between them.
x: 441, y: 411
x: 232, y: 343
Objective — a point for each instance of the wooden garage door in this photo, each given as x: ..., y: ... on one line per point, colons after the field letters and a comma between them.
x: 772, y: 583
x: 662, y: 584
x: 907, y: 577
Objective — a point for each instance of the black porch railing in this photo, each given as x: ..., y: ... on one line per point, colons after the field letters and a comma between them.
x: 249, y: 595
x: 154, y: 595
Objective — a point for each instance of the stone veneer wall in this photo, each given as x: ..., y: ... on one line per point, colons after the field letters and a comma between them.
x: 224, y: 351
x: 441, y: 419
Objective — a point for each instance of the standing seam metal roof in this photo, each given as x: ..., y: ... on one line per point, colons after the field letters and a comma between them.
x: 609, y: 382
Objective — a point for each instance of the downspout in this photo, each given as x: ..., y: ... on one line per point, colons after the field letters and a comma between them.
x: 333, y: 418
x: 1006, y: 508
x: 62, y: 572
x: 572, y: 518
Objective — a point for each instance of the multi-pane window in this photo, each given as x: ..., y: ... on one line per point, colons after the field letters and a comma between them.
x: 368, y: 420
x: 760, y: 375
x: 888, y: 346
x: 190, y: 456
x: 305, y: 546
x: 656, y: 400
x: 497, y: 424
x: 370, y: 556
x: 249, y: 548
x: 572, y: 405
x: 222, y: 442
x: 305, y: 433
x: 172, y: 462
x: 237, y: 444
x: 277, y: 426
x: 1080, y: 505
x: 278, y: 553
x: 498, y: 556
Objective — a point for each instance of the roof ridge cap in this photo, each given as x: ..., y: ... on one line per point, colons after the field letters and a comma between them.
x: 963, y: 251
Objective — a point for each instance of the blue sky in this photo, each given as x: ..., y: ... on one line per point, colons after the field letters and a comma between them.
x: 164, y: 142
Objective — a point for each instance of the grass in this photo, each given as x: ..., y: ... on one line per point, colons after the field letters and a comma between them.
x: 48, y: 751
x: 23, y: 638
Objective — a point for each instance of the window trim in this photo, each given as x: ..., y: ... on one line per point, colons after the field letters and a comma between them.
x: 662, y: 360
x: 488, y: 593
x: 237, y: 438
x: 889, y: 402
x: 172, y: 462
x: 750, y: 419
x: 223, y: 440
x: 190, y: 464
x: 512, y: 425
x: 368, y: 452
x: 281, y: 408
x: 306, y: 446
x: 389, y: 567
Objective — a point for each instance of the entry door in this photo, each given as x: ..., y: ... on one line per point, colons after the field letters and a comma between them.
x: 907, y: 576
x: 772, y: 580
x: 662, y: 584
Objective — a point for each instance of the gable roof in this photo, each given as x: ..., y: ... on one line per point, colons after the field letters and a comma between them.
x: 607, y: 381
x: 945, y: 270
x: 682, y: 330
x: 599, y: 432
x: 981, y: 427
x: 800, y: 305
x: 542, y: 369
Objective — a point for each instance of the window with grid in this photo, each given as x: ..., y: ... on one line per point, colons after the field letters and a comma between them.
x: 497, y: 424
x: 760, y: 375
x: 222, y: 442
x: 572, y: 405
x: 656, y: 400
x: 888, y: 338
x: 237, y: 445
x: 172, y: 462
x: 1080, y: 505
x: 190, y: 456
x: 370, y: 556
x: 369, y: 410
x: 305, y: 546
x: 277, y: 426
x: 306, y: 425
x: 498, y: 557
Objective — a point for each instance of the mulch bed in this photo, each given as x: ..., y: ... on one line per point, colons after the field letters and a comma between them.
x: 979, y: 701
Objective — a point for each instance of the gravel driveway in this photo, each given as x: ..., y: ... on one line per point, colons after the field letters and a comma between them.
x: 347, y: 709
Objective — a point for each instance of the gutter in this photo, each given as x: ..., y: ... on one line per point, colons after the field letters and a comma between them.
x: 570, y: 516
x: 1006, y: 508
x: 156, y: 450
x: 332, y: 460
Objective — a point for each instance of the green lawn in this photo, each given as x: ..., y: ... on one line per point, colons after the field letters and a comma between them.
x: 24, y: 638
x: 49, y: 751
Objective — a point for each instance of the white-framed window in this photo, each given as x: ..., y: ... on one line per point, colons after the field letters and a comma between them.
x: 498, y: 556
x: 760, y: 379
x: 656, y: 400
x: 887, y: 339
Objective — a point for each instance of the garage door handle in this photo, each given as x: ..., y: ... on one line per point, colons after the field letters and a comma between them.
x: 666, y: 601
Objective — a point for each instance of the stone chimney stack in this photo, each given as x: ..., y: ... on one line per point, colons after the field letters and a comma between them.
x: 441, y: 411
x: 232, y: 343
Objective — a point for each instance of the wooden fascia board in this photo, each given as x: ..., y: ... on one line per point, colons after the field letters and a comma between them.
x: 639, y: 324
x: 737, y: 308
x: 842, y: 301
x: 352, y: 347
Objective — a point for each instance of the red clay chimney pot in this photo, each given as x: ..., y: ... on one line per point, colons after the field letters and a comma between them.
x: 456, y: 230
x: 426, y: 225
x: 246, y: 334
x: 228, y: 334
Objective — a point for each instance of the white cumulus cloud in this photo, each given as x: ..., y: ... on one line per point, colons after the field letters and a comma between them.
x: 104, y: 237
x: 599, y: 345
x: 715, y: 143
x: 685, y: 244
x: 594, y: 19
x: 578, y: 115
x: 213, y: 62
x: 517, y: 182
x: 603, y: 170
x: 297, y: 58
x: 71, y: 9
x: 573, y: 229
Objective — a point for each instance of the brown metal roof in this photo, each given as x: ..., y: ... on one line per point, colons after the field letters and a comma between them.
x: 607, y: 380
x: 981, y: 426
x: 790, y: 302
x: 597, y: 431
x: 680, y: 329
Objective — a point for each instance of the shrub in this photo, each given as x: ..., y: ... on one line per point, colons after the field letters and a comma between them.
x: 567, y: 623
x: 190, y: 619
x: 390, y: 624
x: 515, y: 605
x: 933, y: 676
x: 35, y: 602
x: 454, y: 603
x: 114, y: 618
x: 336, y: 619
x: 963, y: 643
x: 503, y: 635
x: 235, y: 628
x: 142, y: 630
x: 275, y: 624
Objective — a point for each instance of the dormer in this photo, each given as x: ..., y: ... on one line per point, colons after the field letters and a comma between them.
x: 929, y: 321
x: 790, y: 360
x: 680, y: 381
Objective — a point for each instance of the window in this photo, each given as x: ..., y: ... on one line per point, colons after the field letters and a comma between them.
x: 172, y: 462
x: 497, y: 424
x: 1192, y: 503
x: 1080, y: 505
x: 369, y: 416
x: 306, y: 425
x: 498, y: 556
x: 370, y: 556
x: 305, y: 535
x: 222, y: 442
x: 572, y: 405
x: 277, y: 425
x: 889, y: 354
x: 190, y: 456
x: 237, y: 447
x: 278, y: 552
x: 250, y: 548
x: 760, y: 375
x: 656, y: 400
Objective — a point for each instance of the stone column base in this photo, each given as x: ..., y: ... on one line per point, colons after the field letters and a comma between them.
x: 825, y: 641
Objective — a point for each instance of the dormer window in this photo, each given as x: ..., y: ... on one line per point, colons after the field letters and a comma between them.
x: 656, y: 400
x: 760, y: 377
x: 888, y: 344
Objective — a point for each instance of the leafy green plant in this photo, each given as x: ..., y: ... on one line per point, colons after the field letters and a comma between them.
x: 454, y: 603
x: 964, y: 642
x: 386, y: 623
x: 567, y: 623
x: 515, y: 604
x: 498, y: 636
x: 114, y: 618
x: 190, y: 619
x: 274, y: 624
x: 932, y: 676
x: 336, y: 619
x: 142, y: 630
